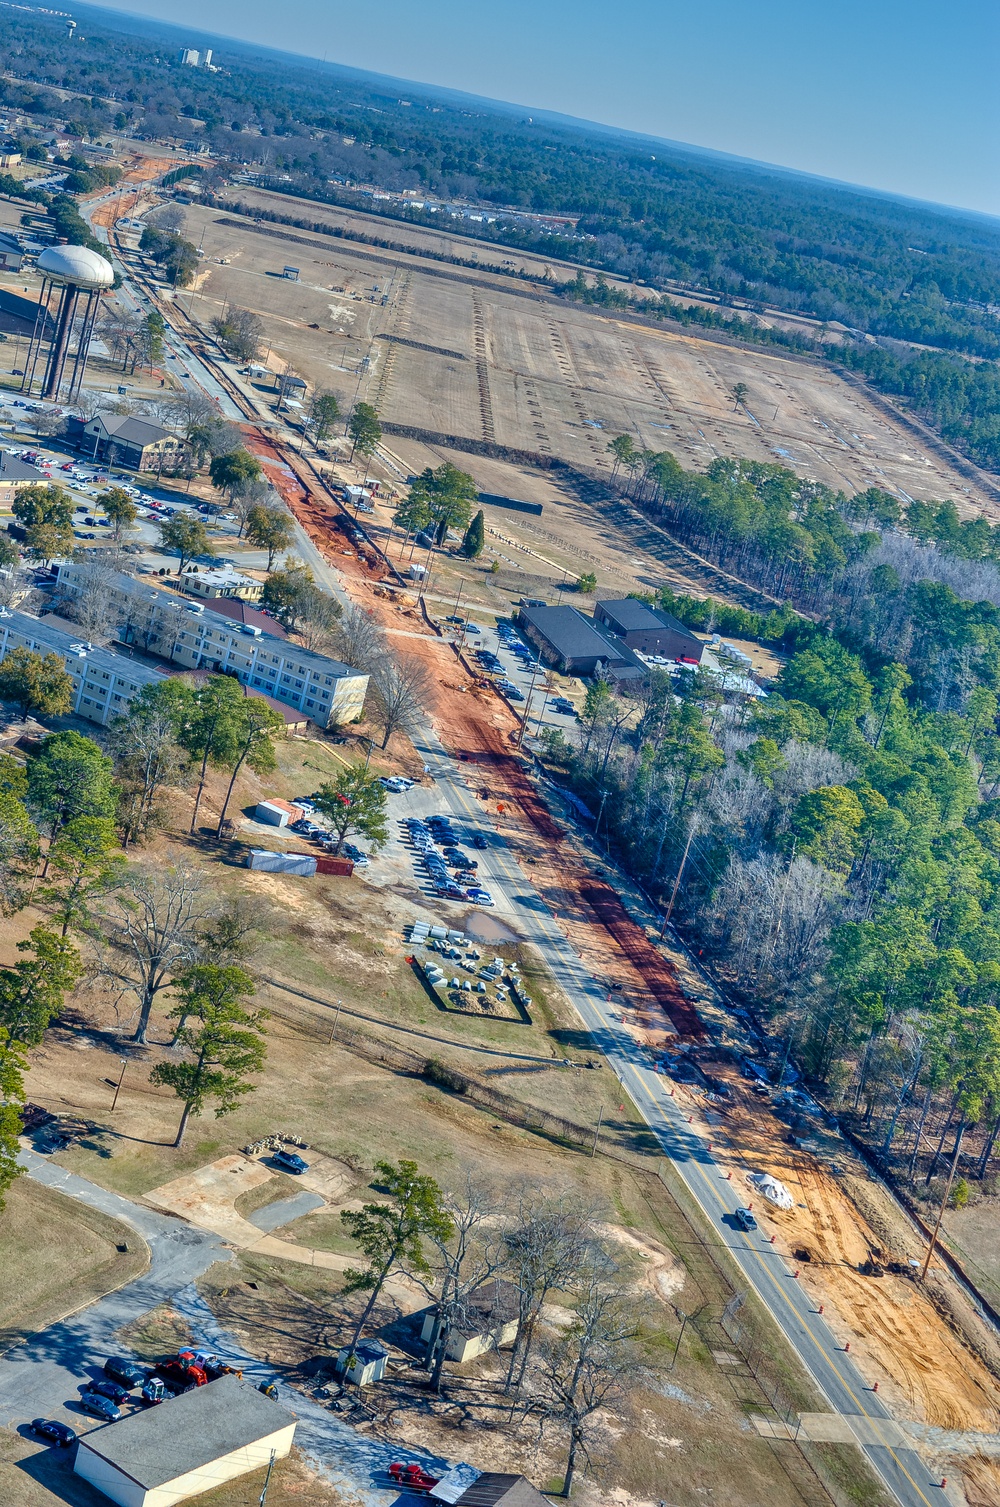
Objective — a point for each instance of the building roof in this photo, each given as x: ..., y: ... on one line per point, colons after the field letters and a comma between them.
x: 75, y: 649
x: 571, y: 635
x: 490, y: 1488
x: 274, y: 804
x: 182, y: 1433
x: 574, y: 636
x: 245, y: 612
x: 10, y: 242
x: 144, y: 590
x: 488, y: 1307
x: 14, y: 469
x: 132, y: 431
x: 630, y: 616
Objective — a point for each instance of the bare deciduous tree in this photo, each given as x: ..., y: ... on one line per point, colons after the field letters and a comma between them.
x: 468, y: 1261
x: 400, y: 686
x: 148, y: 934
x: 546, y: 1244
x: 360, y: 641
x: 586, y: 1372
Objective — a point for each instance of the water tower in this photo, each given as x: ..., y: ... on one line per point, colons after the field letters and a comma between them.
x: 70, y: 29
x: 68, y: 272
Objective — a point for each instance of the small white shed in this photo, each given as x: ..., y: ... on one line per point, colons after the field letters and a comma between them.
x: 186, y: 1445
x: 277, y: 813
x: 364, y: 1364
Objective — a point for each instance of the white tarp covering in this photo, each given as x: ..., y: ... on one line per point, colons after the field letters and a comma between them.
x: 770, y: 1188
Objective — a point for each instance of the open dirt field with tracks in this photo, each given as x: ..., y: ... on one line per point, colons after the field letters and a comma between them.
x: 493, y: 359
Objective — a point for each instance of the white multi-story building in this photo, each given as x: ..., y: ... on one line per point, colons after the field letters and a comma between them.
x: 190, y: 634
x: 103, y: 682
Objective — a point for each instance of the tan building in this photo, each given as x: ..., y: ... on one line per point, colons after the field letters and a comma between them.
x: 221, y: 582
x: 123, y: 441
x: 15, y: 473
x: 189, y: 634
x: 104, y: 683
x: 490, y: 1320
x: 185, y: 1445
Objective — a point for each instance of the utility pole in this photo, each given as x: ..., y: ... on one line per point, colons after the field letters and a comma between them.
x: 600, y: 1121
x: 944, y: 1200
x: 262, y: 1501
x: 118, y: 1085
x: 527, y: 706
x: 677, y: 881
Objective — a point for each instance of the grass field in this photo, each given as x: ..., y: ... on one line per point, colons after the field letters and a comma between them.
x: 57, y: 1255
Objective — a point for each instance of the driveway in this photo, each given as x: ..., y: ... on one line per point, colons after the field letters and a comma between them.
x: 43, y: 1377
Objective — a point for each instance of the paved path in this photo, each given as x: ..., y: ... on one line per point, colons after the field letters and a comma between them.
x: 43, y: 1377
x: 47, y: 1374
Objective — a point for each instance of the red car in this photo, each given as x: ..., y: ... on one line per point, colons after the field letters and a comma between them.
x: 411, y: 1477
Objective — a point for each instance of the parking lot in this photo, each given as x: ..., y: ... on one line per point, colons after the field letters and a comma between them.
x: 87, y: 481
x: 501, y: 653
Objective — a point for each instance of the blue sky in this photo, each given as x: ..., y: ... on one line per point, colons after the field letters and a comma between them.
x: 893, y: 95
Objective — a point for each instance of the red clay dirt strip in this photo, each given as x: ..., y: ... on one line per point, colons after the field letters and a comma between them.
x: 479, y: 728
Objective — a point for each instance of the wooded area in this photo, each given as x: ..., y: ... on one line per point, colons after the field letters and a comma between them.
x: 833, y: 849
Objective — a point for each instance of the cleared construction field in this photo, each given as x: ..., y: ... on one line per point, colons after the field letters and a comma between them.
x: 489, y: 358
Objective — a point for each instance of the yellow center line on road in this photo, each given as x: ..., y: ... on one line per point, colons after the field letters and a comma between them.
x: 802, y: 1319
x: 641, y: 1092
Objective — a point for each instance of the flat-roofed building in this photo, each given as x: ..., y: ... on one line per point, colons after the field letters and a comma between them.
x: 104, y: 683
x: 186, y: 1445
x: 221, y: 581
x: 191, y: 635
x: 647, y: 629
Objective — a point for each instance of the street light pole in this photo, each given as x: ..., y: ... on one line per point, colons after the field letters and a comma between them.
x: 118, y: 1085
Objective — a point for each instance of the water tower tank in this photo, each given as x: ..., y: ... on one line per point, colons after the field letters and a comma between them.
x: 77, y: 266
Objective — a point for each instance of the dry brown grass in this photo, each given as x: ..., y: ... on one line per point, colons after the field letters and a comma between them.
x: 57, y: 1256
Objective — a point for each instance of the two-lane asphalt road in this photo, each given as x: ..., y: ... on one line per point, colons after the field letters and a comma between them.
x: 831, y: 1368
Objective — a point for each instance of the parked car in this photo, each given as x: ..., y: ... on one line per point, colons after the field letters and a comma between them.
x: 479, y: 840
x: 56, y: 1433
x: 745, y: 1219
x: 479, y: 896
x: 110, y: 1389
x: 451, y: 891
x: 289, y: 1162
x: 124, y: 1372
x: 100, y: 1407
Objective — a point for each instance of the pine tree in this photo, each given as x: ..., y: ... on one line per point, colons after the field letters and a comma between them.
x: 475, y: 537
